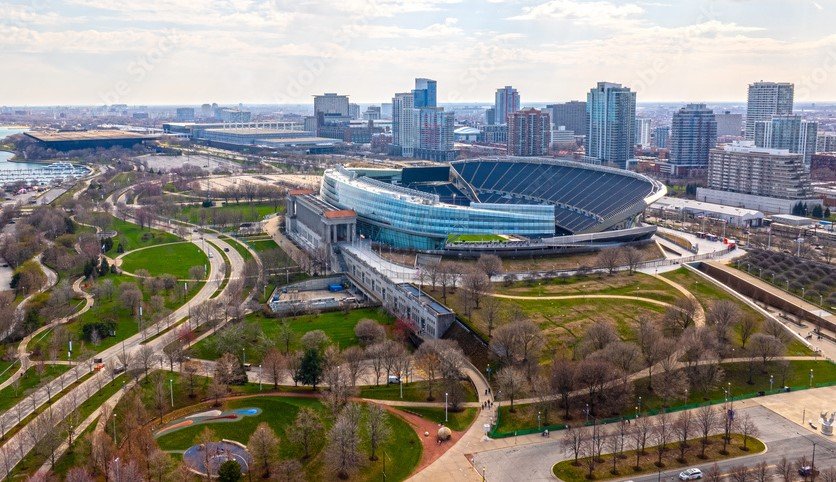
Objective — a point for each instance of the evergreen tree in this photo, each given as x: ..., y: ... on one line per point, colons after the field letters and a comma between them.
x: 104, y: 268
x: 827, y: 213
x: 229, y: 471
x: 310, y: 369
x: 817, y: 212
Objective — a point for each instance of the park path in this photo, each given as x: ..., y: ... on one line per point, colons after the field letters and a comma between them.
x: 578, y: 297
x: 699, y: 315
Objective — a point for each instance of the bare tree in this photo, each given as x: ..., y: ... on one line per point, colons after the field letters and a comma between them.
x: 766, y: 347
x: 713, y: 474
x: 491, y: 312
x: 784, y: 469
x: 369, y: 332
x: 274, y: 363
x: 562, y: 381
x: 682, y: 427
x: 609, y: 258
x: 680, y: 316
x: 662, y: 431
x: 476, y: 283
x: 632, y: 257
x: 490, y: 264
x: 707, y: 421
x: 146, y: 357
x: 747, y: 327
x: 762, y: 472
x: 652, y: 346
x: 263, y: 446
x: 739, y: 473
x: 342, y: 455
x: 572, y: 441
x: 377, y: 429
x: 748, y: 429
x: 512, y: 382
x: 306, y: 427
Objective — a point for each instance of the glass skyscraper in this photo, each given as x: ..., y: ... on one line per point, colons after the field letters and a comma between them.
x: 424, y: 94
x: 765, y: 100
x: 693, y: 135
x: 612, y: 123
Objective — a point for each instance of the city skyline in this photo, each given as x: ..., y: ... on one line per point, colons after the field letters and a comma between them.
x: 169, y: 52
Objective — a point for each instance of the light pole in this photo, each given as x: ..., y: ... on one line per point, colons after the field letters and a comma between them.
x: 171, y: 390
x: 771, y: 380
x: 400, y: 383
x: 260, y: 373
x: 539, y: 425
x: 114, y: 428
x: 811, y: 378
x: 587, y: 413
x: 244, y: 357
x: 445, y: 407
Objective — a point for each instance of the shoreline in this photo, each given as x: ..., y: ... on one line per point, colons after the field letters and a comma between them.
x: 15, y: 127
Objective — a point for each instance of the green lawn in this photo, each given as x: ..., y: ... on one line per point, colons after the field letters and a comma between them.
x: 337, y: 325
x: 31, y: 379
x: 458, y: 421
x: 174, y: 259
x: 244, y: 252
x: 474, y: 238
x: 109, y: 309
x: 260, y: 245
x: 243, y: 212
x: 413, y: 391
x: 130, y: 236
x: 403, y: 450
x: 824, y: 371
x: 7, y: 369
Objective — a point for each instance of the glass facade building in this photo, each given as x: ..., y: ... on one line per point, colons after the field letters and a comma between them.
x: 412, y: 219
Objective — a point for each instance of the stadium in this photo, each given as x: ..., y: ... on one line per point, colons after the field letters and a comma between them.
x: 506, y: 205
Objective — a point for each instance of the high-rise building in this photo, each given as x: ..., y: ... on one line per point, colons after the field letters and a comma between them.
x: 184, y: 114
x: 386, y: 110
x: 826, y: 142
x: 612, y: 119
x: 769, y: 180
x: 661, y: 137
x: 529, y: 133
x: 354, y: 111
x: 490, y: 116
x: 642, y: 132
x: 729, y: 124
x: 206, y: 111
x: 765, y: 100
x: 789, y: 132
x: 693, y: 135
x: 403, y: 125
x: 424, y: 93
x: 434, y: 129
x: 571, y: 115
x: 494, y: 134
x: 507, y: 101
x: 331, y: 105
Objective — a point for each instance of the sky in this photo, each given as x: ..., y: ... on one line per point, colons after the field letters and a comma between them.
x: 77, y: 52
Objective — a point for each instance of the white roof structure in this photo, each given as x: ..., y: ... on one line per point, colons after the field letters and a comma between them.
x: 707, y: 209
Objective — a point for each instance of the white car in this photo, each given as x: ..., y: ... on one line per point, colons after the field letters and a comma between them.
x: 690, y: 474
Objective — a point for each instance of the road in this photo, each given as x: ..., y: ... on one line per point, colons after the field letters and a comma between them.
x: 534, y: 461
x: 21, y: 443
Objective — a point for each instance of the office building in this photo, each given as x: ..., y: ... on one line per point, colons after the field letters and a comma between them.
x: 184, y: 114
x: 767, y: 99
x: 386, y: 110
x: 529, y: 133
x: 643, y: 132
x: 233, y: 116
x: 434, y: 129
x: 826, y: 142
x: 331, y: 105
x: 571, y: 115
x: 490, y: 116
x: 424, y: 93
x: 611, y: 109
x: 769, y: 180
x: 354, y: 111
x: 693, y: 135
x: 403, y: 125
x: 206, y: 111
x: 789, y: 132
x: 661, y: 137
x: 507, y: 101
x: 729, y: 125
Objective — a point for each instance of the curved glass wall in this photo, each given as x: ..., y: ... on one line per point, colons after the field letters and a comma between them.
x: 410, y: 219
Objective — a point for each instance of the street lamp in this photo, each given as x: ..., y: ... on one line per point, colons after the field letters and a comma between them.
x: 445, y: 407
x: 811, y: 378
x: 538, y: 421
x: 171, y: 390
x: 586, y: 409
x: 243, y: 357
x: 260, y: 376
x: 640, y: 403
x: 771, y: 380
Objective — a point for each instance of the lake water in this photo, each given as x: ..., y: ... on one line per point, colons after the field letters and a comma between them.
x: 5, y: 156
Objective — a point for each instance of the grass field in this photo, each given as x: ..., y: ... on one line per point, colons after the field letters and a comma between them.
x: 567, y: 472
x: 525, y: 416
x: 174, y: 259
x: 11, y: 395
x: 413, y: 391
x: 243, y: 212
x: 108, y: 309
x: 7, y: 368
x: 244, y: 252
x: 458, y: 421
x: 402, y: 451
x: 337, y: 325
x: 260, y: 245
x: 475, y: 238
x: 130, y: 236
x: 563, y: 322
x: 623, y: 284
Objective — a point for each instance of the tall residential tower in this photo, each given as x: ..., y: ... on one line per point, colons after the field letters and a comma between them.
x: 611, y: 109
x: 765, y: 100
x: 507, y: 101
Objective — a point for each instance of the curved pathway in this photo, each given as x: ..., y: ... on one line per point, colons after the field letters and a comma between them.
x: 576, y: 297
x: 699, y: 316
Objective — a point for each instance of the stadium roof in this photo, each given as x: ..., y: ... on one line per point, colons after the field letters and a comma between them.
x: 92, y: 135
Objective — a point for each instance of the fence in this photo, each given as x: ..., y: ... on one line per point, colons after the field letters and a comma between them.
x: 495, y: 433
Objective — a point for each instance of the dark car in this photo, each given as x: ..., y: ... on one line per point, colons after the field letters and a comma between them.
x: 807, y: 471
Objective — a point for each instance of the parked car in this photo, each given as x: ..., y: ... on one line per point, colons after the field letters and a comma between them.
x: 690, y: 474
x: 393, y: 379
x: 807, y: 471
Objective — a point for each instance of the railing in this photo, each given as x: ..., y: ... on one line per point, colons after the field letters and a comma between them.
x: 495, y: 433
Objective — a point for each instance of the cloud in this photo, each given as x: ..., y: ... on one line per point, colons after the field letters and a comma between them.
x: 596, y: 13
